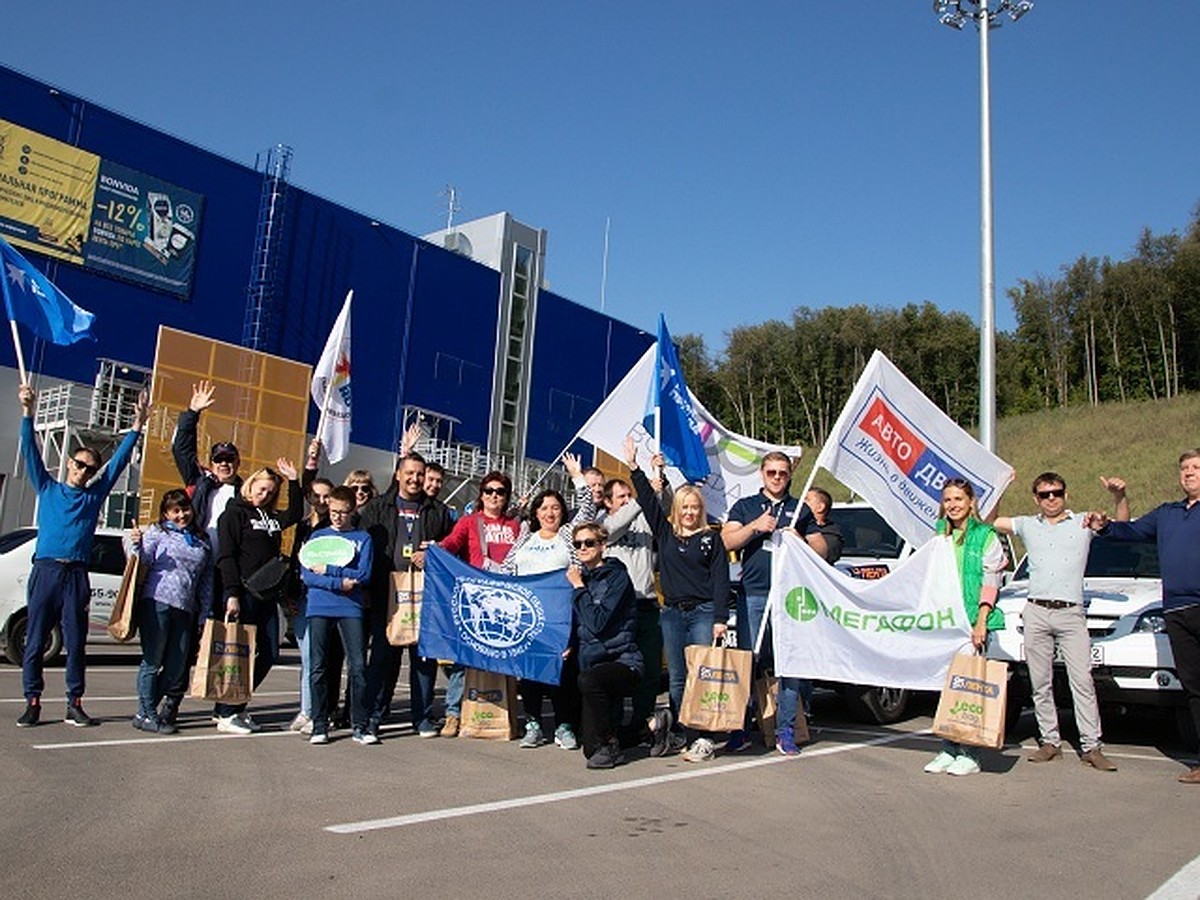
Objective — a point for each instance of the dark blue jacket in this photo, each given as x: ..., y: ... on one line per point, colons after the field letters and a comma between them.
x: 606, y: 617
x: 1176, y: 529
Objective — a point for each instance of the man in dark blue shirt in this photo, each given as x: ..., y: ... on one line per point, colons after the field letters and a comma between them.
x: 1175, y: 527
x: 752, y: 521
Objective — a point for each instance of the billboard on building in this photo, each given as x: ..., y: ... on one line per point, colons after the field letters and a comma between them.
x: 73, y: 205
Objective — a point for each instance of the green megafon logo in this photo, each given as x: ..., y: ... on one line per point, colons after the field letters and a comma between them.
x: 801, y: 604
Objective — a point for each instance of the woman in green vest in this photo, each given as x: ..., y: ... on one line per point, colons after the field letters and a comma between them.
x: 981, y: 560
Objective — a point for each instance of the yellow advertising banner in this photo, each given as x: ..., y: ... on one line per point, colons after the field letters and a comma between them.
x: 46, y: 192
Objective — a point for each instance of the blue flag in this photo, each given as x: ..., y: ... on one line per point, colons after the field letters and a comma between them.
x: 30, y: 298
x: 514, y: 625
x: 679, y: 436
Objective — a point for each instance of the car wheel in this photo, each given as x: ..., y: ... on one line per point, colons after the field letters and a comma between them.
x: 15, y: 651
x: 1186, y: 726
x: 878, y: 705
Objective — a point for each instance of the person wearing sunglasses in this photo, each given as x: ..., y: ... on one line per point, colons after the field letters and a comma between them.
x: 1056, y: 547
x: 749, y: 528
x: 610, y: 663
x: 58, y: 589
x: 482, y: 539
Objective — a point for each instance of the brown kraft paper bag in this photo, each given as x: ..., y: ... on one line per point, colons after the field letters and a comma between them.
x: 971, y: 709
x: 404, y: 607
x: 122, y: 621
x: 225, y: 663
x: 718, y: 688
x: 766, y: 699
x: 489, y: 706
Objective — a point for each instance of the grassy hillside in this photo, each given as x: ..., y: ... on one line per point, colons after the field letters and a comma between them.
x: 1140, y: 442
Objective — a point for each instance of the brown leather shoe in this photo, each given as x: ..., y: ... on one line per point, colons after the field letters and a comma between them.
x: 1098, y: 760
x: 1045, y: 753
x: 1192, y: 777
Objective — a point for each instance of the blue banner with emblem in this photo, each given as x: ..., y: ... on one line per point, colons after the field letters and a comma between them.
x: 514, y: 625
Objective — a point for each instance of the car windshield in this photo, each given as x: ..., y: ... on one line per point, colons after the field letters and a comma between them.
x: 1114, y: 559
x: 15, y: 539
x: 866, y: 534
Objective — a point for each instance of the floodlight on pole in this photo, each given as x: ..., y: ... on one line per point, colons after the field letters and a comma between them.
x: 986, y: 15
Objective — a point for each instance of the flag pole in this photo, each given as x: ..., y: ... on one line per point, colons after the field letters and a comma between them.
x: 20, y: 355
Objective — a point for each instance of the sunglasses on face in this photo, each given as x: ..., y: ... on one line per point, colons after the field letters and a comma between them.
x: 776, y: 473
x: 585, y: 542
x: 86, y: 468
x: 228, y: 460
x: 362, y: 489
x: 1053, y: 492
x: 495, y: 490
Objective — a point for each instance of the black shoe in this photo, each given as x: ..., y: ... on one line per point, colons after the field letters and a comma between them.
x: 660, y: 733
x: 169, y: 711
x: 146, y: 723
x: 31, y: 716
x: 607, y: 756
x: 77, y: 717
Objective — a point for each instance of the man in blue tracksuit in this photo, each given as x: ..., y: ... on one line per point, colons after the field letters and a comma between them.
x: 58, y: 588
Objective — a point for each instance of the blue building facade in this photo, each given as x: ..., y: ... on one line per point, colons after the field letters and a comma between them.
x: 425, y: 319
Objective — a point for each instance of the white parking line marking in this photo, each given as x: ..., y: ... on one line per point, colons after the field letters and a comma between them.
x: 133, y: 698
x: 182, y: 738
x: 577, y: 793
x: 1183, y: 885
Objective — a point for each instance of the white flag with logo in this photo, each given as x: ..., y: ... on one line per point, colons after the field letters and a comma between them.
x: 733, y: 459
x: 331, y: 387
x: 898, y: 631
x: 896, y: 449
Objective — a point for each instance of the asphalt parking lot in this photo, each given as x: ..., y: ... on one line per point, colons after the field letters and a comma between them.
x: 111, y: 811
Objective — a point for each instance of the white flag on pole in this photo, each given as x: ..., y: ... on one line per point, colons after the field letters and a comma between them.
x: 331, y: 387
x: 896, y: 449
x: 898, y: 631
x: 733, y: 459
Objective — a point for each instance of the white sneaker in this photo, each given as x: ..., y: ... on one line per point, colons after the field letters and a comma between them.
x: 702, y: 750
x: 298, y: 723
x: 233, y: 725
x: 940, y: 763
x: 319, y: 738
x: 963, y: 765
x: 364, y: 737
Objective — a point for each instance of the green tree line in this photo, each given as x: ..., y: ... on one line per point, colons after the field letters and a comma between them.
x: 1102, y: 331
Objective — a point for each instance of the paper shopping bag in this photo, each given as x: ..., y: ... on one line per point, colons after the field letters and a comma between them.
x: 972, y: 706
x: 122, y: 621
x: 718, y: 688
x: 404, y: 607
x: 225, y: 662
x: 489, y: 706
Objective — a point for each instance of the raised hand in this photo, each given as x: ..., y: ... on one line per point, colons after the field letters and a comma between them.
x: 1115, y: 486
x: 572, y: 465
x: 135, y: 533
x: 630, y: 452
x: 286, y: 468
x: 203, y: 395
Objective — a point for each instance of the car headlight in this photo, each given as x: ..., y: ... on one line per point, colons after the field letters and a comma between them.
x: 1152, y: 622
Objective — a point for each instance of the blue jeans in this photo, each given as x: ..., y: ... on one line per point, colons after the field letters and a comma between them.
x: 303, y: 641
x: 683, y: 628
x: 321, y: 638
x: 750, y: 611
x: 266, y: 649
x: 57, y: 593
x: 166, y: 635
x: 456, y: 682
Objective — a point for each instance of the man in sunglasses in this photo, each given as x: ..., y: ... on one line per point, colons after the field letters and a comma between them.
x: 58, y: 588
x: 1056, y: 546
x: 751, y: 522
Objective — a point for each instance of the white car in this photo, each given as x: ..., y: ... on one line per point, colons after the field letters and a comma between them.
x: 1132, y: 664
x: 105, y: 568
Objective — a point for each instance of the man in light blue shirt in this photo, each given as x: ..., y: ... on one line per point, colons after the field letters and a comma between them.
x: 1056, y: 544
x: 58, y: 588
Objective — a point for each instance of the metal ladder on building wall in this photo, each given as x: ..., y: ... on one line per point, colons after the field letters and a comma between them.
x: 264, y: 270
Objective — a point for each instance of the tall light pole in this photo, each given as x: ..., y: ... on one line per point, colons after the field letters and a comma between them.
x: 986, y: 15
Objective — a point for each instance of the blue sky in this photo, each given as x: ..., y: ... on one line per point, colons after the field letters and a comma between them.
x: 752, y: 158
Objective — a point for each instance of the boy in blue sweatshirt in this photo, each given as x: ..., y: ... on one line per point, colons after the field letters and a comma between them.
x: 337, y: 598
